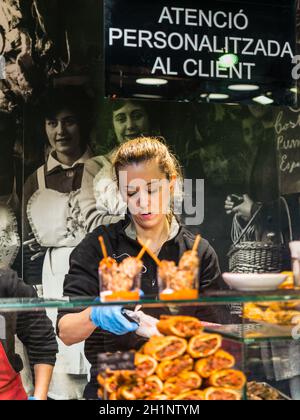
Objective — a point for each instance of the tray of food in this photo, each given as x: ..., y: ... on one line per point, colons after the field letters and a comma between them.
x: 184, y: 363
x: 281, y: 316
x: 261, y: 391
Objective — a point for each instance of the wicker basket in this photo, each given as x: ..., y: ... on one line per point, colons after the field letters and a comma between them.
x: 258, y: 257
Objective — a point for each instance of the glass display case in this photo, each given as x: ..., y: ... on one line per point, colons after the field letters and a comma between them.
x: 261, y: 331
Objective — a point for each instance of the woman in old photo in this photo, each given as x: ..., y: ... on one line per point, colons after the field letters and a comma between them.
x: 265, y: 211
x: 54, y: 225
x: 100, y: 201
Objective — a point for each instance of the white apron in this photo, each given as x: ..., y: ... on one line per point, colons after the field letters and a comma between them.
x: 57, y: 225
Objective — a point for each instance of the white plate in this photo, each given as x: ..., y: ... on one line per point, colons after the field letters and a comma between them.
x: 254, y: 282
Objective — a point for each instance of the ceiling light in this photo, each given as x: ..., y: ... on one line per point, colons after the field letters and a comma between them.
x: 243, y: 88
x: 228, y: 60
x: 218, y: 96
x: 263, y: 100
x: 146, y: 96
x: 151, y: 81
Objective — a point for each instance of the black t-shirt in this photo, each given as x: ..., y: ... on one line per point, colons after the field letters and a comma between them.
x: 33, y: 328
x: 82, y: 280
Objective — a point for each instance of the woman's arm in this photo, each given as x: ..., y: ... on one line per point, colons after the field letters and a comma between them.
x: 210, y: 273
x: 82, y: 282
x: 35, y: 331
x: 43, y: 375
x: 88, y: 205
x: 95, y: 211
x: 75, y: 328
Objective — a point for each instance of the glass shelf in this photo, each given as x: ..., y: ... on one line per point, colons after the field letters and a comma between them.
x: 242, y: 330
x: 207, y: 298
x: 253, y: 333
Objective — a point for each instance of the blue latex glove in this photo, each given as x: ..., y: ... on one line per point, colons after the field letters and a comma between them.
x: 32, y: 399
x: 111, y: 319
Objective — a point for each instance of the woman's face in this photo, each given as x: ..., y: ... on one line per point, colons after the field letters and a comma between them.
x: 147, y: 192
x: 63, y: 133
x: 130, y: 121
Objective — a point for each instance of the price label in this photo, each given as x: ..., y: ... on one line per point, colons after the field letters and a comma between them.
x: 116, y: 361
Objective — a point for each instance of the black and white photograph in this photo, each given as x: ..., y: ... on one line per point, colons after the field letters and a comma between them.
x: 149, y: 201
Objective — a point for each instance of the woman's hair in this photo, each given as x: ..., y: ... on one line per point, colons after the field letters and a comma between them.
x: 152, y: 111
x: 144, y: 149
x: 118, y: 104
x: 76, y: 100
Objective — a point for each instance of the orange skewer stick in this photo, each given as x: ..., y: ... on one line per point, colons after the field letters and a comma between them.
x: 152, y: 255
x: 197, y: 243
x: 143, y: 250
x: 103, y: 247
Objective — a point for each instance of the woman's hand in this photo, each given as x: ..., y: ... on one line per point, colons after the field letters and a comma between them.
x: 35, y: 248
x: 111, y: 319
x: 243, y: 210
x: 75, y: 328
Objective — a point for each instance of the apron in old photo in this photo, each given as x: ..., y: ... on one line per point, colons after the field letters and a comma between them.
x: 57, y: 225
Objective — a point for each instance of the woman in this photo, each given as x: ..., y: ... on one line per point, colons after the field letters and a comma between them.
x: 261, y: 189
x: 144, y: 161
x: 58, y: 181
x: 99, y: 200
x: 54, y: 226
x: 264, y: 199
